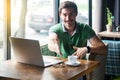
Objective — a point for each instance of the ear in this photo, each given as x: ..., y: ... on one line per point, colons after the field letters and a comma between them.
x: 60, y: 14
x: 61, y: 17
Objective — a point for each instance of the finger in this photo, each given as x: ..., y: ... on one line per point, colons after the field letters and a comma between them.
x: 81, y: 56
x: 74, y: 53
x: 74, y: 47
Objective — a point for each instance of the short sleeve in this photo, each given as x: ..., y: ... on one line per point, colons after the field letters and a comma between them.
x: 89, y: 32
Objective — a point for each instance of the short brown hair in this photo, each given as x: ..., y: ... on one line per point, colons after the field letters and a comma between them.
x: 68, y: 4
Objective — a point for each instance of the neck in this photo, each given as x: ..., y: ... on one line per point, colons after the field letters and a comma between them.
x: 70, y: 30
x: 70, y: 27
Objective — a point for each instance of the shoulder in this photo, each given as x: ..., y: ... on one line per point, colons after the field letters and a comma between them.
x: 56, y: 28
x: 86, y: 30
x: 57, y: 25
x: 83, y: 25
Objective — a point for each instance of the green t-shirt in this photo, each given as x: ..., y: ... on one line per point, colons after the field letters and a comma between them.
x: 79, y: 38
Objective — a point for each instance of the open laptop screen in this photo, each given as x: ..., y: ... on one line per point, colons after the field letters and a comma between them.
x: 28, y: 51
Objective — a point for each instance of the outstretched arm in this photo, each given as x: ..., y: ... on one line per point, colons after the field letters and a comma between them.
x: 53, y: 43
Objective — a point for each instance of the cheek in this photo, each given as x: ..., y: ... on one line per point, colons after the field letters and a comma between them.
x: 73, y: 17
x: 62, y: 17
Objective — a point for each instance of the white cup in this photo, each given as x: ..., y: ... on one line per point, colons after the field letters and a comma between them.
x: 72, y: 59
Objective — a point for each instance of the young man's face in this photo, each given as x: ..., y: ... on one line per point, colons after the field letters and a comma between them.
x: 68, y: 16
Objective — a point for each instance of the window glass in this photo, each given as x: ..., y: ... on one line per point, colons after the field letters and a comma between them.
x: 39, y: 19
x: 82, y: 10
x: 95, y: 15
x: 1, y: 30
x: 93, y: 8
x: 15, y: 15
x: 38, y: 16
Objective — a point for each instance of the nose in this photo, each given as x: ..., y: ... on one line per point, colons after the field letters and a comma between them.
x: 67, y: 17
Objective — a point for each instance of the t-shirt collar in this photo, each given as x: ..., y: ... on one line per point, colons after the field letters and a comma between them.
x: 75, y: 31
x: 64, y: 30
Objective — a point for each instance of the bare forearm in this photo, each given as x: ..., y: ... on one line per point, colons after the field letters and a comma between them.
x: 97, y: 46
x: 99, y: 50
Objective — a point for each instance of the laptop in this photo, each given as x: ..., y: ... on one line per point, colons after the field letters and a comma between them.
x: 28, y: 51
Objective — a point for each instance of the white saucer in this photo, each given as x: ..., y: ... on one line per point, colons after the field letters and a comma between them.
x: 74, y: 64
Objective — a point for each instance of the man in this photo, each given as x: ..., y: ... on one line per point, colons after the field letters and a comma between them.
x: 70, y: 37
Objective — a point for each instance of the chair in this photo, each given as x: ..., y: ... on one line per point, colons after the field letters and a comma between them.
x: 113, y: 58
x: 98, y: 73
x: 46, y: 51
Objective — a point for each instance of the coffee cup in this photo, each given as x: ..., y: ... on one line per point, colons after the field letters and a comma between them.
x: 72, y: 59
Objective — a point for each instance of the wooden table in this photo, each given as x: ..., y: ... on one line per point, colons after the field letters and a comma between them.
x: 109, y: 34
x: 13, y: 70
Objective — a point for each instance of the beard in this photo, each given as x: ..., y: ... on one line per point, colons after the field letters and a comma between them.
x: 69, y: 23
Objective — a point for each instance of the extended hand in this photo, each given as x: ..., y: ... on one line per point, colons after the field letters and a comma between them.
x: 80, y: 52
x: 57, y: 49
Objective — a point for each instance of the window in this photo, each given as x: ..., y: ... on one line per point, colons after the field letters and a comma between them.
x: 1, y: 30
x: 39, y: 19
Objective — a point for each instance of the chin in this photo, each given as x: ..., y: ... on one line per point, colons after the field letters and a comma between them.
x: 68, y: 24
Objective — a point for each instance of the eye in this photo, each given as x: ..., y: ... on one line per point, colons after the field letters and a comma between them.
x: 72, y: 14
x: 65, y: 15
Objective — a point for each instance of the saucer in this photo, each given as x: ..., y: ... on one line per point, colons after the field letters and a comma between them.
x: 72, y: 64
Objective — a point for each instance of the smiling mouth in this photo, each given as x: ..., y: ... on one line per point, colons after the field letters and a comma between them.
x: 68, y: 21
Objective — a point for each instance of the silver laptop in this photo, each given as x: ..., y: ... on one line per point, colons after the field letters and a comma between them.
x: 28, y: 51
